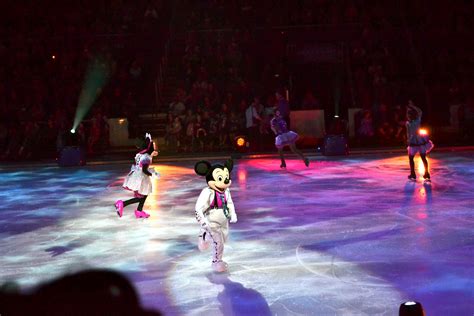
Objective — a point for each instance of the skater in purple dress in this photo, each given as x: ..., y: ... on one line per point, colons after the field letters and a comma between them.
x: 285, y: 137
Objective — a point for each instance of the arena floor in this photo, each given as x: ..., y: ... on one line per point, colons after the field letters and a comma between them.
x: 345, y: 236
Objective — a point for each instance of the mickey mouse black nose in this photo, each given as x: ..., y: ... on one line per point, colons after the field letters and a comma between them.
x: 226, y: 181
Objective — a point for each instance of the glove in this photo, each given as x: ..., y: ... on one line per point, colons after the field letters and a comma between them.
x: 233, y: 218
x: 154, y: 173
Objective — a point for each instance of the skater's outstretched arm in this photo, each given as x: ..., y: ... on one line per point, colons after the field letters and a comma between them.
x: 154, y: 172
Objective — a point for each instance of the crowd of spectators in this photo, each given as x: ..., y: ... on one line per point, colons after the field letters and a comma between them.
x: 420, y: 58
x: 210, y: 127
x: 218, y: 14
x: 236, y: 55
x: 396, y: 55
x: 221, y: 76
x: 46, y: 50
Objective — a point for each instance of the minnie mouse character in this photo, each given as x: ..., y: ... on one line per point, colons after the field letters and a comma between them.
x: 214, y: 209
x: 138, y: 180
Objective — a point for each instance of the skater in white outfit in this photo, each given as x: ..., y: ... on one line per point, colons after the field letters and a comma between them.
x: 214, y: 210
x: 138, y: 179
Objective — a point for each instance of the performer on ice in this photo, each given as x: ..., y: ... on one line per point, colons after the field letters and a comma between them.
x: 138, y: 180
x: 214, y: 209
x: 417, y: 139
x: 284, y: 137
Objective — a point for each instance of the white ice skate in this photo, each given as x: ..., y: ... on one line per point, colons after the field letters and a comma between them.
x: 219, y: 266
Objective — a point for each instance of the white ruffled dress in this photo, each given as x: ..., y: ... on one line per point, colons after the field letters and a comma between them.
x: 136, y: 180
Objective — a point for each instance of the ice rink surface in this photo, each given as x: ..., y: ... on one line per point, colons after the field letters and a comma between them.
x: 345, y: 236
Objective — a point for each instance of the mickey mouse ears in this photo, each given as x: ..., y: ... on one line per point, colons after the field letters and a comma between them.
x: 229, y: 164
x: 202, y: 167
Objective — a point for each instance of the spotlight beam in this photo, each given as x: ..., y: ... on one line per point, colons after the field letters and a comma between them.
x: 96, y: 77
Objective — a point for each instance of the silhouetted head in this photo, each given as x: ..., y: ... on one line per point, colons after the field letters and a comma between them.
x: 147, y: 146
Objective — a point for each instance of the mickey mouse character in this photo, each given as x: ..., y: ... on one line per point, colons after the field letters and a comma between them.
x: 214, y: 209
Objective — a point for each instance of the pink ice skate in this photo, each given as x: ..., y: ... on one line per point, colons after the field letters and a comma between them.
x: 119, y: 207
x: 141, y: 214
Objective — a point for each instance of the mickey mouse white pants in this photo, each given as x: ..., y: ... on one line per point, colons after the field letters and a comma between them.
x: 218, y: 231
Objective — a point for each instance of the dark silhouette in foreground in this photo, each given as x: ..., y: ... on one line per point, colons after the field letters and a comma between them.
x: 92, y: 292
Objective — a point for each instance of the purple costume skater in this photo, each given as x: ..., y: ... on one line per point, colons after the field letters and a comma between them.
x: 285, y: 137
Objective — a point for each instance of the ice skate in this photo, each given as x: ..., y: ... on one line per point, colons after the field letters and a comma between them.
x: 141, y: 214
x: 427, y: 177
x: 219, y: 266
x: 119, y: 207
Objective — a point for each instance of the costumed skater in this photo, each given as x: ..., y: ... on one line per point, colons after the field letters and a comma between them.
x: 417, y: 141
x: 138, y: 180
x: 284, y: 137
x: 214, y: 209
